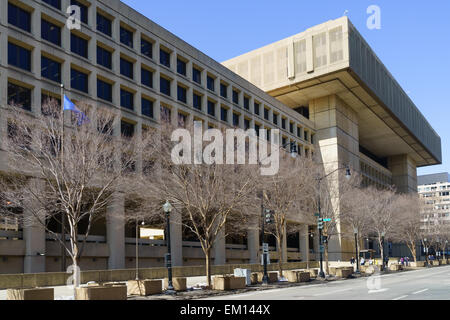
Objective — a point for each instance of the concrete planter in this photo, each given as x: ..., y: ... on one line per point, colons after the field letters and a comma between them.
x: 273, y: 276
x: 179, y: 284
x: 254, y: 278
x: 367, y: 269
x: 228, y: 283
x: 313, y: 272
x: 30, y: 294
x: 395, y: 267
x: 344, y: 272
x: 434, y: 262
x: 297, y: 276
x: 417, y: 264
x: 144, y: 287
x: 110, y: 292
x: 444, y: 262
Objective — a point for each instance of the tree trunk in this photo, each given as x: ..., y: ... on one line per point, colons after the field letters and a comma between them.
x: 76, y: 277
x: 327, y: 269
x: 381, y: 253
x: 280, y: 257
x: 208, y: 267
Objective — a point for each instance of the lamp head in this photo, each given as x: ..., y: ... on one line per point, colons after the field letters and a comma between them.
x: 167, y: 207
x: 348, y: 173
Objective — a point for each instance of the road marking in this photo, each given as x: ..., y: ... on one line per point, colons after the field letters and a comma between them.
x: 378, y: 291
x: 400, y: 297
x: 332, y: 292
x: 420, y: 291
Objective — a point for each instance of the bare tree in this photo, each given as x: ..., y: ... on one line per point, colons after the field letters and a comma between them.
x: 66, y: 172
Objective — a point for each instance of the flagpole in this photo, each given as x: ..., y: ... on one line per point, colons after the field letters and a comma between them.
x: 63, y: 214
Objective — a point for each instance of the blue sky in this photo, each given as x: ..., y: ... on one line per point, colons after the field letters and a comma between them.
x: 413, y: 42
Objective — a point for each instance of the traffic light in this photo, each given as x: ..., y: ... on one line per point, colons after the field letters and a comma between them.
x: 269, y: 216
x: 320, y: 223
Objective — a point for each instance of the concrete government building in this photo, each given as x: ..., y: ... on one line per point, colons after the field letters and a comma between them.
x: 434, y: 189
x: 324, y: 89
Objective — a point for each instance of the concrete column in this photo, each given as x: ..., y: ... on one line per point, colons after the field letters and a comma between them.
x: 4, y: 12
x: 253, y: 240
x: 115, y: 231
x: 176, y: 239
x: 404, y: 173
x: 219, y: 249
x: 304, y: 243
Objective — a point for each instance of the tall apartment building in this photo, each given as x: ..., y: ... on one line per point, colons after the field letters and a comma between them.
x: 324, y: 89
x: 434, y: 189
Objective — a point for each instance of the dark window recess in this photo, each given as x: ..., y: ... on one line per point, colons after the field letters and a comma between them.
x: 19, y: 57
x: 104, y: 57
x: 246, y: 103
x: 79, y: 45
x: 304, y: 111
x: 210, y: 83
x: 246, y: 124
x: 305, y: 135
x: 54, y: 3
x: 312, y: 139
x: 380, y: 160
x: 51, y: 32
x: 196, y: 75
x: 46, y: 99
x: 181, y: 94
x: 126, y: 68
x: 256, y: 107
x: 104, y: 24
x: 236, y: 119
x: 211, y: 108
x: 164, y: 86
x: 275, y: 119
x: 223, y: 90
x: 50, y: 69
x: 104, y: 90
x: 19, y: 17
x: 126, y: 99
x: 79, y: 80
x: 126, y: 37
x: 223, y: 114
x: 268, y: 134
x: 299, y: 132
x: 165, y: 114
x: 164, y: 58
x: 182, y: 120
x: 147, y: 48
x: 181, y: 67
x: 83, y: 10
x: 283, y: 141
x: 266, y: 113
x: 147, y: 77
x: 291, y: 127
x: 147, y: 107
x: 236, y: 97
x: 197, y: 101
x: 19, y: 96
x: 283, y: 123
x: 257, y: 128
x: 126, y: 129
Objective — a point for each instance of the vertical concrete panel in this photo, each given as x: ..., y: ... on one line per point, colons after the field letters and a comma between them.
x: 115, y: 231
x: 304, y: 243
x: 253, y: 240
x: 176, y: 239
x: 219, y: 249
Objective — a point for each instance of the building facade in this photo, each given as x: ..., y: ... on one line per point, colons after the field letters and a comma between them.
x: 324, y: 89
x: 434, y: 189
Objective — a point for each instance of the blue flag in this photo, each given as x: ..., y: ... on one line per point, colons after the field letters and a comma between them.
x: 69, y: 105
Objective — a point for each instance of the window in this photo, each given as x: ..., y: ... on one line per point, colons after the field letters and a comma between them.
x: 51, y: 69
x: 19, y: 57
x: 181, y: 94
x: 126, y: 68
x: 165, y: 114
x: 235, y: 97
x: 283, y: 123
x: 126, y: 99
x: 20, y: 96
x: 236, y: 119
x: 164, y: 58
x: 147, y: 48
x: 164, y: 86
x: 223, y: 114
x: 246, y: 124
x: 299, y: 132
x: 79, y: 45
x: 19, y: 17
x: 78, y: 80
x: 104, y: 90
x: 126, y: 129
x: 268, y: 134
x: 210, y: 83
x: 211, y: 108
x: 126, y: 37
x: 275, y: 119
x: 182, y: 120
x: 181, y: 67
x: 50, y: 32
x: 246, y: 103
x: 104, y: 57
x: 305, y: 135
x: 54, y: 3
x: 83, y: 10
x: 197, y: 75
x: 104, y: 25
x: 256, y: 106
x: 291, y: 127
x: 147, y: 77
x: 223, y: 90
x: 257, y: 127
x: 197, y: 101
x: 147, y: 107
x: 266, y: 113
x: 312, y: 139
x: 283, y: 141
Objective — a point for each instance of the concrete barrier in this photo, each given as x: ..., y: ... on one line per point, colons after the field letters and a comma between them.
x: 30, y: 294
x: 228, y: 283
x: 395, y: 267
x: 112, y: 292
x: 144, y: 287
x: 344, y: 272
x: 273, y: 276
x: 297, y: 276
x: 434, y: 262
x: 179, y: 284
x: 417, y: 264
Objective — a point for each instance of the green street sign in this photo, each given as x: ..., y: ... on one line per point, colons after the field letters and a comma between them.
x: 316, y: 214
x: 326, y: 220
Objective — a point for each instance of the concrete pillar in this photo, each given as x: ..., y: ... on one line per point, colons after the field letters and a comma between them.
x: 115, y: 231
x: 176, y: 239
x: 404, y: 173
x: 253, y: 240
x: 304, y: 242
x: 219, y: 249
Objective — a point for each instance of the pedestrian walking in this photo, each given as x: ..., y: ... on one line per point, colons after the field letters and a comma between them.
x: 402, y: 261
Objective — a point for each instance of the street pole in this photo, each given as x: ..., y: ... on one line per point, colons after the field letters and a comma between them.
x: 63, y: 214
x: 167, y: 209
x: 265, y: 279
x: 321, y: 273
x: 137, y: 250
x: 356, y: 252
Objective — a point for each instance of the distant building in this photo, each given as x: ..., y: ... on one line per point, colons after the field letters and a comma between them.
x: 435, y: 190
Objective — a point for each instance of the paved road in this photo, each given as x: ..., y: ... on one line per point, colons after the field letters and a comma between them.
x: 422, y: 284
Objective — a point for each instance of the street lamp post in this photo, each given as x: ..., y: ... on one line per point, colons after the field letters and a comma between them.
x: 137, y: 247
x: 382, y: 250
x: 445, y: 249
x: 355, y: 231
x: 167, y: 207
x: 425, y: 250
